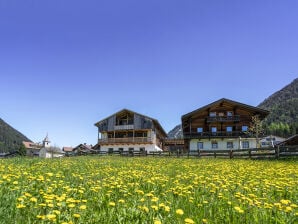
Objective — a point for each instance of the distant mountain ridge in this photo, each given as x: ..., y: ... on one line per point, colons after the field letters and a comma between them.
x: 283, y: 117
x: 283, y: 107
x: 176, y: 132
x: 10, y: 138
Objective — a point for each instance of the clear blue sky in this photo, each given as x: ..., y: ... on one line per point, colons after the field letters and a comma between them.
x: 65, y: 64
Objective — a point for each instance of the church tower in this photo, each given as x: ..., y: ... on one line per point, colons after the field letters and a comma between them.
x: 46, y: 142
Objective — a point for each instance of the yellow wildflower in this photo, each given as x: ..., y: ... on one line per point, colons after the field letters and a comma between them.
x: 83, y: 207
x: 179, y: 212
x: 76, y: 215
x: 189, y: 221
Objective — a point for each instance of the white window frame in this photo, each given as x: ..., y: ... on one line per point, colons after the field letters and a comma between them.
x: 245, y: 144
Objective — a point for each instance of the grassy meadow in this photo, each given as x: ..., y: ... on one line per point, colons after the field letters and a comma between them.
x: 147, y: 190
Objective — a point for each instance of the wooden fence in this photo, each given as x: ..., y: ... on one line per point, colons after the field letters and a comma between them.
x: 260, y: 153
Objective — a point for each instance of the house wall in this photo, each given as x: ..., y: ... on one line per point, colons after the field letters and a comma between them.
x: 222, y: 143
x: 148, y: 147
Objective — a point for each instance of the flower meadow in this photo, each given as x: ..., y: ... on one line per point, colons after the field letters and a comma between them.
x: 113, y: 189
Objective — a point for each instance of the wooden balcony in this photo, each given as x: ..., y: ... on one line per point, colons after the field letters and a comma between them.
x: 223, y: 118
x: 136, y: 140
x: 218, y: 134
x: 124, y: 127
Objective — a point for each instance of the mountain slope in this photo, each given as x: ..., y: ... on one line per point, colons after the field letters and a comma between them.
x: 283, y: 107
x: 176, y: 132
x: 10, y: 138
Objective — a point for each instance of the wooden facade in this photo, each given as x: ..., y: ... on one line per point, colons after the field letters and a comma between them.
x: 127, y: 129
x: 222, y: 119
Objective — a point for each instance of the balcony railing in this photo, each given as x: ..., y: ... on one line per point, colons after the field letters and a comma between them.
x: 218, y: 134
x: 124, y: 127
x: 126, y: 140
x: 223, y: 118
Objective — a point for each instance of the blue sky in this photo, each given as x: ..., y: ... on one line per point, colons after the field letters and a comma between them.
x: 64, y: 65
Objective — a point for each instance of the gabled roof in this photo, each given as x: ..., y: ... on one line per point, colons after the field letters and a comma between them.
x: 67, y: 149
x: 293, y: 140
x: 155, y: 121
x: 242, y: 105
x: 32, y: 145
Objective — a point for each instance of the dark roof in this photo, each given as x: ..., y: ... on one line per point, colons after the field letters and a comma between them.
x: 155, y: 121
x: 293, y: 140
x: 256, y: 109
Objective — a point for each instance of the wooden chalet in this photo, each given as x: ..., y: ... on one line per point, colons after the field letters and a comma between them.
x: 222, y: 124
x: 127, y: 130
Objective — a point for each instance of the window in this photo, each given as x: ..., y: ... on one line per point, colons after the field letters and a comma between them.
x: 213, y: 130
x: 200, y: 130
x: 130, y: 151
x: 212, y: 114
x: 221, y: 114
x: 245, y: 144
x: 110, y: 150
x: 229, y: 113
x: 142, y: 149
x: 200, y: 145
x: 229, y: 129
x: 244, y: 128
x: 214, y: 145
x: 229, y: 145
x: 120, y: 150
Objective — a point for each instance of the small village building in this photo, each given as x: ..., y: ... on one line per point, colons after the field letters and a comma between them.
x: 291, y: 141
x: 48, y: 151
x: 83, y: 149
x: 128, y: 131
x: 32, y: 149
x: 67, y: 149
x: 223, y: 124
x: 270, y: 141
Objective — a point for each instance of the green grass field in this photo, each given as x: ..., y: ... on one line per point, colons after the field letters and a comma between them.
x: 147, y: 190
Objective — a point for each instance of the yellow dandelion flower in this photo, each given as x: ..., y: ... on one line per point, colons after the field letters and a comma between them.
x: 51, y: 216
x: 167, y: 208
x: 189, y: 221
x: 179, y: 212
x: 21, y: 206
x: 76, y: 215
x: 154, y: 199
x: 112, y: 204
x: 204, y: 220
x: 156, y: 221
x: 145, y: 209
x: 83, y: 207
x: 154, y: 207
x: 238, y: 209
x: 41, y: 217
x: 71, y: 205
x: 288, y: 209
x: 33, y: 199
x: 57, y: 212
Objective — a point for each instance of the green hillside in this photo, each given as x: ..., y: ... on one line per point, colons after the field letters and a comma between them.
x: 283, y: 107
x: 10, y: 138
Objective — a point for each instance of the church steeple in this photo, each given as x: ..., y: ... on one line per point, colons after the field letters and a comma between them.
x: 46, y: 142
